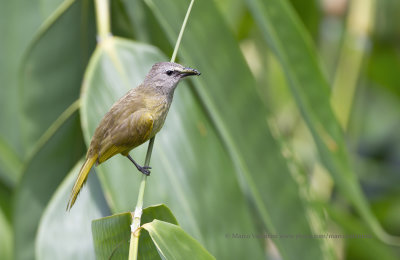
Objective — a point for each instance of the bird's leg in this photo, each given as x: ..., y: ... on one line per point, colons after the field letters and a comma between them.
x: 142, y: 169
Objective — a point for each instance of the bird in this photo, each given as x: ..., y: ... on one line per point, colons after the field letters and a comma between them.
x: 132, y: 120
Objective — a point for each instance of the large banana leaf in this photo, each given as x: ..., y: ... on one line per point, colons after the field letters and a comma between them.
x: 41, y: 177
x: 51, y: 73
x: 53, y: 67
x: 228, y: 93
x: 67, y: 234
x: 293, y: 47
x: 19, y: 21
x: 192, y: 173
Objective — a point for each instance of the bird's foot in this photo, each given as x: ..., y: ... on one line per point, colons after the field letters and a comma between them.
x: 144, y: 169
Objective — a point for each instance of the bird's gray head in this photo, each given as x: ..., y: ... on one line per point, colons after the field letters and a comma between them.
x: 165, y: 76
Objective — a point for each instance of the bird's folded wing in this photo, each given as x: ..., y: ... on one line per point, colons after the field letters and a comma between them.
x: 126, y: 134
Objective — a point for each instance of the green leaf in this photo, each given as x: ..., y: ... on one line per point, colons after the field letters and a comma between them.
x: 160, y: 212
x: 53, y: 67
x: 6, y: 237
x: 6, y: 204
x: 383, y: 64
x: 293, y: 47
x: 19, y: 18
x: 147, y: 249
x: 41, y: 176
x: 121, y: 24
x: 10, y: 164
x: 368, y: 247
x: 227, y: 91
x: 66, y: 234
x: 111, y: 234
x: 191, y: 171
x: 174, y: 243
x: 49, y: 7
x: 309, y: 12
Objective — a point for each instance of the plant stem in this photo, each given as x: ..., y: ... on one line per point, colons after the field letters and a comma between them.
x: 359, y: 25
x: 134, y: 243
x: 103, y: 19
x: 135, y: 231
x: 178, y: 41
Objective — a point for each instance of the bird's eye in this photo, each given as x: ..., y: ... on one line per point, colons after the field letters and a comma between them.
x: 169, y: 72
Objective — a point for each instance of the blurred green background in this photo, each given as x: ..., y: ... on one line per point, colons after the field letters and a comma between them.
x: 291, y: 130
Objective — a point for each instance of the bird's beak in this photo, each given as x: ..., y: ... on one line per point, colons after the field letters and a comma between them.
x: 189, y: 72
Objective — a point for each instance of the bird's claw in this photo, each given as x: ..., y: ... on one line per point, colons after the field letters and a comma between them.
x: 145, y: 170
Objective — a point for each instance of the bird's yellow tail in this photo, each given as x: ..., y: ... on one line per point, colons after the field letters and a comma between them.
x: 83, y: 174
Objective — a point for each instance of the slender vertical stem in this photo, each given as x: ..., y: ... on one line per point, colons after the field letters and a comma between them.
x: 134, y: 243
x: 103, y: 18
x: 135, y: 231
x: 178, y: 41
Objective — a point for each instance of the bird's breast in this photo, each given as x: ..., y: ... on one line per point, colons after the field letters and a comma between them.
x: 159, y: 110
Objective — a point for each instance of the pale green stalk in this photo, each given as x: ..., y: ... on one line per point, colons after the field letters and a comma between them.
x: 359, y: 24
x: 135, y: 231
x: 103, y: 19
